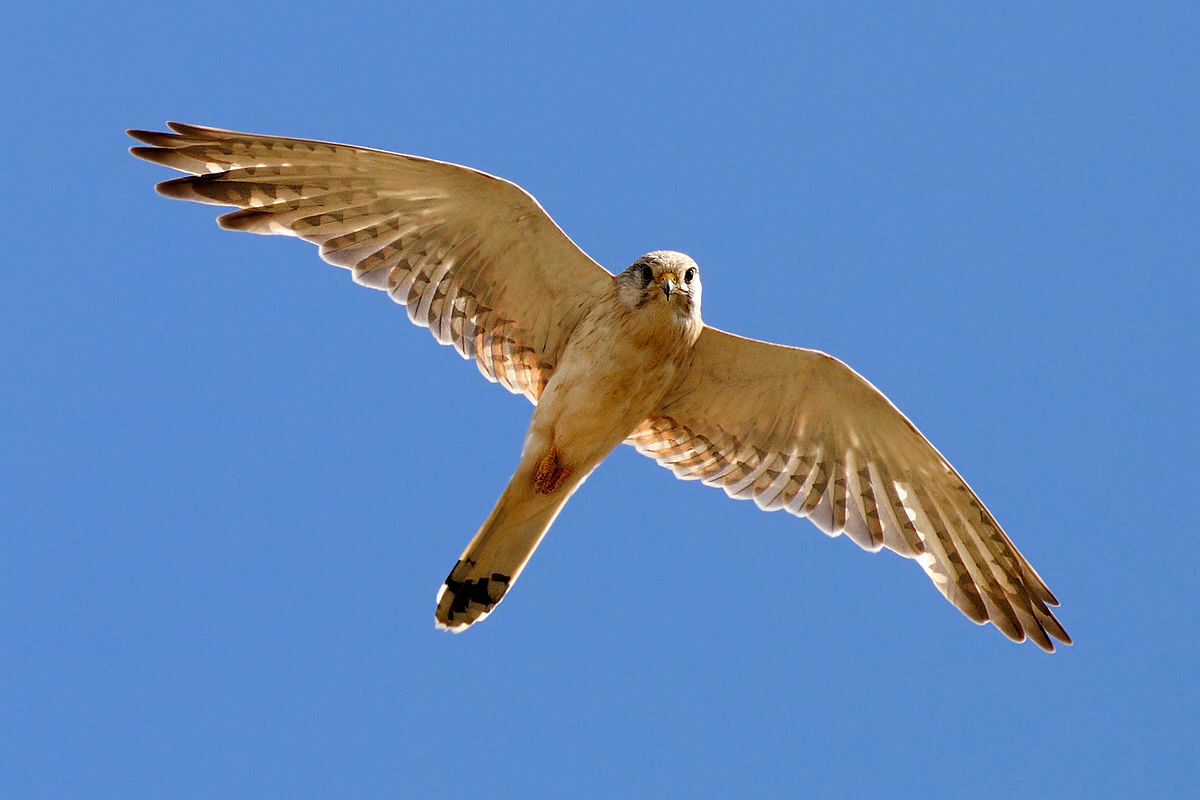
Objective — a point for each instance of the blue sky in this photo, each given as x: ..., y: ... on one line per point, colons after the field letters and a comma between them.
x: 234, y: 480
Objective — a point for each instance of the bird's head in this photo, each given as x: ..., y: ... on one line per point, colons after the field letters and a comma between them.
x: 662, y: 279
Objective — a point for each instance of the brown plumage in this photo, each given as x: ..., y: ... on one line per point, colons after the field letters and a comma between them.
x: 608, y: 359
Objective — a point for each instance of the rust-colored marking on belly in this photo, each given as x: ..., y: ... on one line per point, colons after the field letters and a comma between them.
x: 550, y: 473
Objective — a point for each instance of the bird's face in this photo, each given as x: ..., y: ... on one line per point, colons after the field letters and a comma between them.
x: 665, y: 280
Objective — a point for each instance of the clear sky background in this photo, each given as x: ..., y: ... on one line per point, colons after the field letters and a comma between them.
x: 232, y: 481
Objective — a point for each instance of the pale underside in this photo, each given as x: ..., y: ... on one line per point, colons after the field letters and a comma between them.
x: 477, y: 261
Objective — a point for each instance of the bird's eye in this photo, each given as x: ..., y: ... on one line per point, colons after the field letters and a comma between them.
x: 691, y: 273
x: 647, y: 274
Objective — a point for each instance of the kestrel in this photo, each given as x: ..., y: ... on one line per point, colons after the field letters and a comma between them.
x: 607, y: 359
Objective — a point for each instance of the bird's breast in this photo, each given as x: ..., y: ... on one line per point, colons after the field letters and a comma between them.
x: 611, y: 376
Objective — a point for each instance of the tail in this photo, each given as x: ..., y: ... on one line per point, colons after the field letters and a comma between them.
x: 495, y: 557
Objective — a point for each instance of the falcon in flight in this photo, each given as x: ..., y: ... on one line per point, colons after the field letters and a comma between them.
x: 607, y: 359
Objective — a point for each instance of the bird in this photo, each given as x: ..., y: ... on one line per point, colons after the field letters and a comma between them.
x: 608, y: 359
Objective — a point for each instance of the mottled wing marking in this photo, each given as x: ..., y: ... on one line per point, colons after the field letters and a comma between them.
x: 799, y: 482
x: 472, y: 258
x: 797, y: 430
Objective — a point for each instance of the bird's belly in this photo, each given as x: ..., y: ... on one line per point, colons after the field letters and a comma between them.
x: 595, y: 399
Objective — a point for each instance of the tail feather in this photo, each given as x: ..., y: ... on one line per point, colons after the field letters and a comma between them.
x: 495, y: 557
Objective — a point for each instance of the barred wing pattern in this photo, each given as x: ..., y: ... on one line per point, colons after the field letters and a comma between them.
x: 799, y: 430
x: 473, y: 257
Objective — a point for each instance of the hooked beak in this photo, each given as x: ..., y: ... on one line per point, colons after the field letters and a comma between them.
x: 668, y: 285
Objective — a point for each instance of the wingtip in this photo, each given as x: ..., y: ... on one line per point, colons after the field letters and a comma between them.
x: 155, y: 155
x: 1048, y: 631
x: 1056, y: 633
x: 1056, y: 630
x: 198, y: 131
x: 155, y: 138
x: 177, y: 189
x: 1042, y: 640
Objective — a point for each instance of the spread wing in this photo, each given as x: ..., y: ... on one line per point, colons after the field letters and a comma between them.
x: 474, y: 258
x: 799, y: 430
